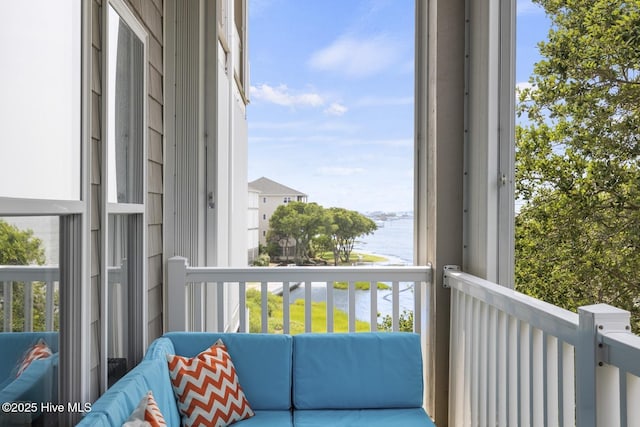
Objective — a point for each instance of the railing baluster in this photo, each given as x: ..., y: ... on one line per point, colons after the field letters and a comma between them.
x: 352, y: 306
x: 513, y: 389
x: 330, y: 306
x: 242, y: 301
x: 551, y: 380
x: 48, y: 317
x: 395, y: 306
x: 475, y: 368
x: 483, y: 365
x: 307, y: 306
x: 373, y: 306
x: 503, y: 369
x: 264, y: 299
x: 492, y: 368
x: 538, y: 377
x: 525, y: 377
x: 221, y: 306
x: 286, y: 308
x: 417, y: 313
x: 28, y: 307
x: 8, y: 306
x: 623, y: 398
x: 568, y: 385
x: 633, y: 397
x: 456, y: 373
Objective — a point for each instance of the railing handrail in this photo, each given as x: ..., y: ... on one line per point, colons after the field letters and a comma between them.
x: 623, y: 351
x: 29, y: 273
x: 303, y: 274
x: 539, y: 314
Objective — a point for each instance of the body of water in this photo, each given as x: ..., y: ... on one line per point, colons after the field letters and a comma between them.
x: 393, y: 240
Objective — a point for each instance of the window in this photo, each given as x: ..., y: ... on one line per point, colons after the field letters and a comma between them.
x: 41, y: 134
x: 40, y: 102
x: 124, y: 286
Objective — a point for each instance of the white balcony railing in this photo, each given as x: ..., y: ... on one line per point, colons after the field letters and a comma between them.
x: 45, y: 277
x: 183, y: 279
x: 515, y: 360
x: 30, y: 276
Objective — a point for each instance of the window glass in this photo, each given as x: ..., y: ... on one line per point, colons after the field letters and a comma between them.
x: 29, y: 314
x: 40, y: 43
x: 117, y: 288
x: 125, y: 112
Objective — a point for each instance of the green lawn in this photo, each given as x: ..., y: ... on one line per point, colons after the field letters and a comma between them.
x: 328, y: 256
x: 318, y: 316
x: 361, y: 286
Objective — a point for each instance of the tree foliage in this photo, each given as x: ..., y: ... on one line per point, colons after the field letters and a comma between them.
x: 343, y: 228
x: 309, y: 226
x: 20, y: 247
x: 294, y: 225
x: 578, y: 234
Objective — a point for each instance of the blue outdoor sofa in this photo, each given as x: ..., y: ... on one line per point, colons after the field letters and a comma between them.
x: 308, y: 380
x: 37, y: 384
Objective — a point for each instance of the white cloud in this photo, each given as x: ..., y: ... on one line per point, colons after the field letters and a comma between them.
x: 282, y: 95
x: 357, y: 57
x: 339, y: 171
x: 336, y: 109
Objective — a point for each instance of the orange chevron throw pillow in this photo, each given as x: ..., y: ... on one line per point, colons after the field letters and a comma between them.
x: 147, y: 414
x: 207, y: 388
x: 40, y: 350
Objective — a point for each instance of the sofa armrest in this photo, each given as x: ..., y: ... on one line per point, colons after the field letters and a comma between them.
x: 36, y: 384
x: 159, y: 349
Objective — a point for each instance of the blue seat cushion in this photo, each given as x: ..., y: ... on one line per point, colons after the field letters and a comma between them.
x: 262, y: 362
x: 268, y: 419
x: 412, y: 417
x: 357, y: 371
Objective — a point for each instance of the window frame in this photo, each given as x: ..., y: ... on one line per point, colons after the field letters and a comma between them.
x: 75, y: 229
x: 139, y: 323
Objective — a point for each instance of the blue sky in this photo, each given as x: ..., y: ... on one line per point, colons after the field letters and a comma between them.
x: 331, y: 110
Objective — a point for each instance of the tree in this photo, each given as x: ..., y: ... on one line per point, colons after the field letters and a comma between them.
x: 298, y: 222
x: 20, y: 247
x: 578, y: 234
x: 343, y: 228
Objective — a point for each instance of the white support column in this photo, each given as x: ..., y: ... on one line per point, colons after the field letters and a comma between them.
x: 439, y: 123
x: 597, y: 385
x: 176, y: 294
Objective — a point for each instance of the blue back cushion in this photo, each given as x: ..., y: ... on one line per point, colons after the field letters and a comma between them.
x: 262, y: 361
x: 357, y: 371
x: 14, y: 345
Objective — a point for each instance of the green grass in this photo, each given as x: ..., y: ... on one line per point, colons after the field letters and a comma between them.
x: 361, y: 286
x: 328, y: 256
x: 296, y: 324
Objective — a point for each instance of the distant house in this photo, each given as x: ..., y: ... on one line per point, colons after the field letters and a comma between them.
x: 253, y: 223
x: 272, y: 195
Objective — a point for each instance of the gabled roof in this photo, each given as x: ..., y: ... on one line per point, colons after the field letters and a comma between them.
x: 269, y: 187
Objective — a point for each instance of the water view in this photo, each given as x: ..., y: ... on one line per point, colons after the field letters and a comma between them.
x: 393, y: 240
